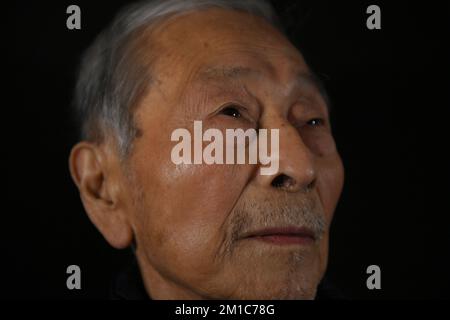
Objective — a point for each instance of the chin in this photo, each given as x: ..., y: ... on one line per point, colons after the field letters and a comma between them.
x: 281, y: 293
x: 280, y: 277
x: 286, y: 287
x: 294, y: 291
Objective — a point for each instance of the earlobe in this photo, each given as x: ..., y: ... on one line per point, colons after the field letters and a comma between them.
x: 96, y: 181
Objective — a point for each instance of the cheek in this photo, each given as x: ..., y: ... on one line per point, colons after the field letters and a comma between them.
x: 186, y: 213
x: 330, y: 182
x: 201, y: 197
x: 319, y: 141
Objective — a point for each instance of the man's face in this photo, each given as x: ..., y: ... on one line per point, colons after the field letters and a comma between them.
x: 196, y: 225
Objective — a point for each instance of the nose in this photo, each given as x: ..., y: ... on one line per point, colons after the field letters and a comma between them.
x: 296, y: 171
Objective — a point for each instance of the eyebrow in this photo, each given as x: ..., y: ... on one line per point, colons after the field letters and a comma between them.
x: 234, y: 73
x: 313, y: 79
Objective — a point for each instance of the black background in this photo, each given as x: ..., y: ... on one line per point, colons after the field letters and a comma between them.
x: 390, y: 91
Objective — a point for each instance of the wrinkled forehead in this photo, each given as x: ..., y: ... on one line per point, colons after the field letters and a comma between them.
x: 213, y: 33
x: 217, y: 24
x: 226, y: 44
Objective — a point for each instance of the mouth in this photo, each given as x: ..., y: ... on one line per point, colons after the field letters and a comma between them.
x: 283, y: 236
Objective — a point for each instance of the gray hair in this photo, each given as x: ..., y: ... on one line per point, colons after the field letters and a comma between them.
x: 111, y: 82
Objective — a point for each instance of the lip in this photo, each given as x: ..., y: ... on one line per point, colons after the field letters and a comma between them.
x: 283, y: 235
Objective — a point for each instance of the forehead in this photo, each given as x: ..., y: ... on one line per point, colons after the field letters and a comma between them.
x: 219, y: 44
x: 213, y: 32
x: 215, y: 24
x: 229, y: 74
x: 216, y: 47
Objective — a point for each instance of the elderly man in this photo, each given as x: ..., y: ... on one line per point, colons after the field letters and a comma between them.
x: 206, y: 230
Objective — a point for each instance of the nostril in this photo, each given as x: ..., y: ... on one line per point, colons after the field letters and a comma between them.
x: 283, y: 181
x: 311, y: 185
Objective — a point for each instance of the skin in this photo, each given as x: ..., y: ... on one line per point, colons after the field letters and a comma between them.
x: 187, y: 220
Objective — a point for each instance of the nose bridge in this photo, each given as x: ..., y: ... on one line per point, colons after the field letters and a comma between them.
x: 296, y: 159
x: 296, y: 162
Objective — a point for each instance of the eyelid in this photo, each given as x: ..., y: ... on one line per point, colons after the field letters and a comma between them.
x: 245, y: 113
x: 321, y: 121
x: 232, y: 104
x: 316, y: 99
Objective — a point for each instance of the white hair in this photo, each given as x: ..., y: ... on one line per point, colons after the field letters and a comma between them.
x: 110, y: 81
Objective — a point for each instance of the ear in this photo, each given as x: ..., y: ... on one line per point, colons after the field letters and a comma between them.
x: 97, y: 176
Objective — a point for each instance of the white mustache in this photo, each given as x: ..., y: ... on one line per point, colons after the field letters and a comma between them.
x: 278, y: 212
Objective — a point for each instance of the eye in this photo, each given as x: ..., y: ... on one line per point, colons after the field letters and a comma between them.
x: 231, y: 111
x: 316, y: 122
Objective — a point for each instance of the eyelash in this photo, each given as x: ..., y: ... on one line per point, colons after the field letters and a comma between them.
x: 234, y: 110
x: 316, y: 122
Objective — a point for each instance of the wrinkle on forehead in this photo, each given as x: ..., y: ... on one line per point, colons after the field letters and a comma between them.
x: 216, y: 54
